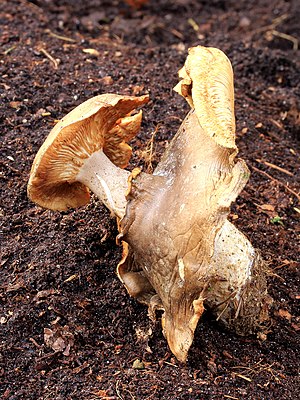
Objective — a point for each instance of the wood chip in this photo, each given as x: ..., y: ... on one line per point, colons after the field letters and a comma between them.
x: 267, y: 207
x: 15, y: 104
x: 107, y: 80
x: 284, y: 314
x: 91, y: 52
x: 71, y: 278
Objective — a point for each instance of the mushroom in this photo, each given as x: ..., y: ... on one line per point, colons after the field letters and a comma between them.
x: 180, y: 253
x: 87, y: 149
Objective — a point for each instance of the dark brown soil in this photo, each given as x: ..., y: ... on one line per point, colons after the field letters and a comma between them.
x: 58, y: 269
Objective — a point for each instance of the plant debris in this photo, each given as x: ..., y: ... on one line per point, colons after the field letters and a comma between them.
x: 59, y: 339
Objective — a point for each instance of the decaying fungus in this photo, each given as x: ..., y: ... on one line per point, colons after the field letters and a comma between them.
x: 180, y: 253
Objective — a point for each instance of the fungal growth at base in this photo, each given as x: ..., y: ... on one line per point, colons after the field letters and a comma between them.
x: 180, y: 253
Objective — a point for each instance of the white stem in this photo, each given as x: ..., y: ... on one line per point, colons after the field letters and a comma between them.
x: 106, y: 180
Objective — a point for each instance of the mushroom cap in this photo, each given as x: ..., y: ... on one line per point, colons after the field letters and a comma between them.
x: 102, y: 122
x: 207, y: 85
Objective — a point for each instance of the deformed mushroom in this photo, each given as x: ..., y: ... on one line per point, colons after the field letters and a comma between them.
x: 180, y: 253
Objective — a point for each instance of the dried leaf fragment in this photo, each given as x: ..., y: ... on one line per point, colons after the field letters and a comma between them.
x: 138, y: 364
x: 267, y: 207
x: 59, y: 339
x: 42, y: 294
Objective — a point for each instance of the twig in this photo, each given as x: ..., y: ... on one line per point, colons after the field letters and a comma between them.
x: 45, y: 52
x: 66, y: 39
x: 10, y: 167
x: 80, y: 367
x: 48, y: 355
x: 277, y: 181
x: 35, y: 343
x: 270, y: 29
x: 117, y: 390
x: 50, y: 395
x: 119, y: 394
x: 285, y: 36
x: 276, y: 123
x: 193, y: 24
x: 7, y: 51
x: 256, y: 369
x: 244, y: 377
x: 176, y: 33
x: 274, y: 23
x: 285, y: 171
x: 172, y: 365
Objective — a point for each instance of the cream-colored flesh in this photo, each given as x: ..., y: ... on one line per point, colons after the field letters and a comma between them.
x: 232, y: 262
x: 107, y: 181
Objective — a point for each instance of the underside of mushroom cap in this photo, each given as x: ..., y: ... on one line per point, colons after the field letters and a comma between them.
x: 207, y: 85
x: 102, y: 122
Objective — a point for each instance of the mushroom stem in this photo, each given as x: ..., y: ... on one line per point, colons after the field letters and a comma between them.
x: 107, y: 181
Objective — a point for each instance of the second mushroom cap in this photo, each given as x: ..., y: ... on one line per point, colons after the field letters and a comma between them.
x: 103, y: 122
